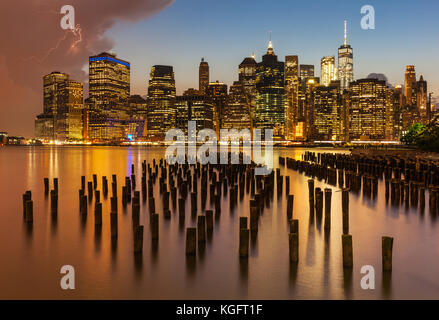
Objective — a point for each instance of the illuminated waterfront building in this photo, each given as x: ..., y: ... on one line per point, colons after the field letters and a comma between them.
x: 368, y: 109
x: 247, y: 77
x: 109, y: 81
x: 193, y: 105
x: 306, y: 71
x: 305, y: 108
x: 327, y: 114
x: 422, y: 98
x: 291, y: 96
x: 328, y: 72
x: 410, y: 85
x: 270, y: 96
x: 161, y: 101
x: 345, y: 63
x: 62, y: 109
x: 217, y: 93
x: 236, y: 114
x: 203, y: 76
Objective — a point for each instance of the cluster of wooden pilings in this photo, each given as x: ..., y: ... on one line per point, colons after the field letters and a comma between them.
x: 188, y: 180
x: 351, y: 176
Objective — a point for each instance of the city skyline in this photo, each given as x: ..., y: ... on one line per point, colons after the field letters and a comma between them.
x: 174, y: 37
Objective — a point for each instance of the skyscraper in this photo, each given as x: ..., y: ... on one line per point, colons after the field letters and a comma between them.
x: 328, y: 71
x: 291, y: 95
x: 327, y: 114
x: 63, y: 107
x: 421, y: 98
x: 161, y: 101
x: 217, y: 93
x: 368, y: 104
x: 247, y: 77
x: 109, y: 81
x: 306, y: 71
x: 236, y: 114
x: 194, y: 106
x: 409, y: 85
x: 203, y: 76
x: 270, y: 96
x: 345, y: 63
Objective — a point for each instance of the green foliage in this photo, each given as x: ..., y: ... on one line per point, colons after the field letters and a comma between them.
x: 425, y: 137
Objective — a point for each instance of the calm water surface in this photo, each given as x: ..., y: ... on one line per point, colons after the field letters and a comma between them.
x: 30, y: 259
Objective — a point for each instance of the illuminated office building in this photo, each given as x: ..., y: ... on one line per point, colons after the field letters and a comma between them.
x: 270, y: 94
x: 328, y: 72
x: 410, y: 85
x: 368, y: 109
x: 161, y: 101
x: 217, y: 93
x: 236, y: 114
x: 305, y: 108
x: 247, y: 77
x: 62, y: 109
x: 345, y: 63
x: 203, y: 76
x: 109, y: 81
x: 327, y: 114
x: 422, y: 98
x: 306, y: 71
x: 193, y: 105
x: 291, y: 96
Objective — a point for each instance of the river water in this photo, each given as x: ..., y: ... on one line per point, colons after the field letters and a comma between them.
x: 31, y: 258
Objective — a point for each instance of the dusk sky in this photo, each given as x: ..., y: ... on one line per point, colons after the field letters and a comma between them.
x: 150, y: 32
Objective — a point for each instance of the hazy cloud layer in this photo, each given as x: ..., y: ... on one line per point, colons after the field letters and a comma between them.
x: 33, y: 44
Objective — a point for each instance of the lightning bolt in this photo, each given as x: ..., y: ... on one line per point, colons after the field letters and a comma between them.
x: 77, y: 34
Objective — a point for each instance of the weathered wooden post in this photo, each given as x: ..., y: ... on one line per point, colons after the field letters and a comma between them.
x: 95, y: 182
x: 84, y: 206
x: 113, y: 204
x: 154, y: 226
x: 98, y: 214
x: 113, y: 224
x: 90, y: 190
x: 53, y: 203
x: 55, y: 185
x: 46, y: 186
x: 135, y: 215
x: 193, y: 204
x: 294, y: 247
x: 27, y: 196
x: 311, y: 196
x: 348, y: 260
x: 29, y: 217
x: 345, y: 210
x: 387, y: 247
x: 294, y: 226
x: 138, y: 240
x: 191, y: 241
x: 290, y: 206
x: 209, y: 220
x: 181, y: 208
x: 97, y: 196
x: 328, y: 196
x: 244, y: 236
x: 287, y: 185
x: 243, y: 223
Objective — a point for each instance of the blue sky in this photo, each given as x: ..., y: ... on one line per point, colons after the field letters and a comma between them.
x: 224, y: 32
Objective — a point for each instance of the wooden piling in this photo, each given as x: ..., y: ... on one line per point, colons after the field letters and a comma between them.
x: 328, y: 196
x: 154, y: 226
x: 345, y: 210
x: 294, y: 247
x: 113, y: 223
x: 387, y: 248
x: 290, y: 206
x: 138, y: 240
x: 191, y: 241
x: 348, y: 260
x: 244, y: 236
x: 98, y: 214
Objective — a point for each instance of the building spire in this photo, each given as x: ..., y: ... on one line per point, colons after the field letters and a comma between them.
x: 270, y: 46
x: 345, y: 33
